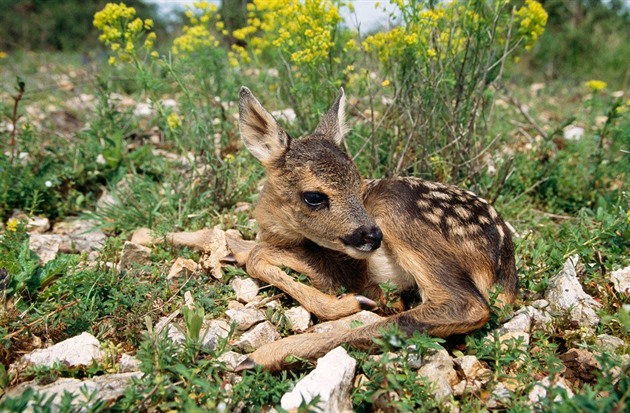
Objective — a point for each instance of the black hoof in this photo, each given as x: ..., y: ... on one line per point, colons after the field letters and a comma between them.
x: 229, y: 259
x: 247, y: 364
x: 365, y: 303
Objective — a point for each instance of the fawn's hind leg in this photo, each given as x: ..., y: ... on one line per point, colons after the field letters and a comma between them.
x: 439, y: 320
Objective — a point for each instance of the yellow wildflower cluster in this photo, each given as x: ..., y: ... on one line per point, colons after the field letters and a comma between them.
x: 596, y: 85
x: 3, y: 55
x: 302, y: 30
x: 205, y: 25
x: 123, y: 31
x: 444, y: 29
x: 426, y: 34
x: 174, y: 121
x: 12, y: 224
x: 533, y: 19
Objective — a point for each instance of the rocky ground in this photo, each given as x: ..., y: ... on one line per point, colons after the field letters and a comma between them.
x: 452, y: 374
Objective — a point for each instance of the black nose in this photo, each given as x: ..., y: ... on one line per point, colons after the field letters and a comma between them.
x: 365, y: 238
x: 373, y: 236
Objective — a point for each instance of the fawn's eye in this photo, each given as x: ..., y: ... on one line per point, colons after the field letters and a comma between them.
x: 315, y: 199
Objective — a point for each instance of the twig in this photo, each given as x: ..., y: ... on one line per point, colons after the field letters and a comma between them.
x: 554, y: 216
x: 14, y: 117
x: 40, y: 319
x: 528, y: 190
x: 270, y: 299
x: 523, y: 112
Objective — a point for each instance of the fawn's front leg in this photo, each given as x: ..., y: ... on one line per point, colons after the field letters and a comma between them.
x: 264, y: 264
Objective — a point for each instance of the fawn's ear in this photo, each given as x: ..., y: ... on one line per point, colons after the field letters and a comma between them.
x: 332, y: 124
x: 261, y: 134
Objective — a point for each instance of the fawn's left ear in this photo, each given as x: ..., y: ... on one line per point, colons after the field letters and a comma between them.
x: 332, y: 124
x: 260, y: 132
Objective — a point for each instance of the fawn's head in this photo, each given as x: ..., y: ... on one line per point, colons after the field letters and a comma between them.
x: 313, y: 188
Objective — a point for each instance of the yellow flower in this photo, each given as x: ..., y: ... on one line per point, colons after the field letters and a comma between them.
x: 3, y: 55
x: 596, y: 85
x: 123, y: 31
x: 173, y: 121
x: 385, y: 83
x: 12, y: 224
x: 533, y: 19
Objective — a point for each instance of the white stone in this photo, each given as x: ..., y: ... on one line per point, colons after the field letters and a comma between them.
x: 133, y: 253
x: 500, y: 396
x: 286, y: 115
x: 263, y: 333
x: 106, y: 201
x: 108, y: 388
x: 181, y: 267
x: 437, y: 368
x: 46, y: 246
x: 472, y: 368
x: 169, y: 103
x: 565, y: 295
x: 128, y: 363
x: 245, y: 318
x: 80, y: 236
x: 38, y: 225
x: 80, y: 350
x: 573, y: 133
x: 232, y: 359
x: 521, y: 321
x: 212, y: 332
x: 142, y: 110
x: 608, y: 342
x: 331, y: 381
x: 621, y: 280
x: 540, y: 390
x: 299, y: 318
x: 246, y: 289
x: 539, y: 318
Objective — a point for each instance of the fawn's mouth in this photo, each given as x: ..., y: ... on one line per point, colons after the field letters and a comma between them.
x: 361, y: 251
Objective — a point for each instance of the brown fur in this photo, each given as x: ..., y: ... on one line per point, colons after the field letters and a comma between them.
x: 445, y: 242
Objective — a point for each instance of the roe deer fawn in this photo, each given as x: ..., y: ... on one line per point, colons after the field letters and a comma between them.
x: 318, y: 217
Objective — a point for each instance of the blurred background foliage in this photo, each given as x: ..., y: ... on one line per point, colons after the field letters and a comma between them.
x: 582, y: 37
x: 52, y: 25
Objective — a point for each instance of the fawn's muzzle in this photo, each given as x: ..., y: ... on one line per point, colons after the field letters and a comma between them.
x: 365, y: 239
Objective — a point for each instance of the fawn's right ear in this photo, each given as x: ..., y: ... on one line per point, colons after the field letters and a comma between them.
x: 261, y: 134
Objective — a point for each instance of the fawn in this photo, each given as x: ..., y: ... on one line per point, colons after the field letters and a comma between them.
x: 318, y: 217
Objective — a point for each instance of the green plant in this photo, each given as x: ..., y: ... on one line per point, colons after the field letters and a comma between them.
x: 442, y: 59
x: 392, y: 383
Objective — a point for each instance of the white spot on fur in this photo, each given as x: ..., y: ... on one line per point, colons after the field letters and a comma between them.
x: 434, y: 216
x: 424, y: 204
x: 441, y: 195
x: 462, y: 212
x: 484, y: 220
x: 501, y: 233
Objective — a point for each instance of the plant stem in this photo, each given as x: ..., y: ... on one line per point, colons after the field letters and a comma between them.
x: 14, y: 118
